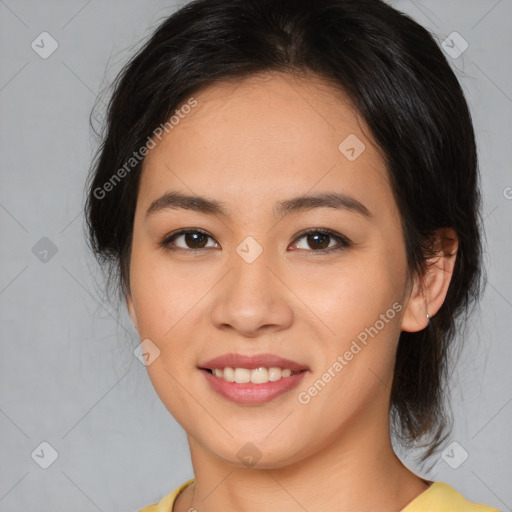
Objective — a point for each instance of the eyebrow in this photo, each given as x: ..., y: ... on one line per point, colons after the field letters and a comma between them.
x: 178, y: 200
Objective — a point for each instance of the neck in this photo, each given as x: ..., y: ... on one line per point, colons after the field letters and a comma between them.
x: 356, y: 470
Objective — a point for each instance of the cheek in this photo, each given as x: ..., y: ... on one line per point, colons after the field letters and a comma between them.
x: 163, y: 294
x: 352, y: 295
x: 165, y: 314
x: 361, y: 306
x: 356, y: 366
x: 168, y: 310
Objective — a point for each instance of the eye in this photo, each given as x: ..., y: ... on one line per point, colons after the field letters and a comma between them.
x: 320, y: 240
x: 194, y: 239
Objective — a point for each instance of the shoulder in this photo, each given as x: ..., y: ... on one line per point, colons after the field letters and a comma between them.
x: 441, y: 497
x: 167, y: 502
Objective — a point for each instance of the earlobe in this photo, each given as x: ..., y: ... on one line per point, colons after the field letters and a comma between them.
x: 131, y: 311
x: 429, y: 291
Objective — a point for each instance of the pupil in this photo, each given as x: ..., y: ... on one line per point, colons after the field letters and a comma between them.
x: 194, y: 239
x: 316, y: 237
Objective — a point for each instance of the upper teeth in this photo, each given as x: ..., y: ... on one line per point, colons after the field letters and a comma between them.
x: 257, y: 376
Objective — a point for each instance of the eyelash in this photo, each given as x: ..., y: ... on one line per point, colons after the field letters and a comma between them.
x: 343, y: 242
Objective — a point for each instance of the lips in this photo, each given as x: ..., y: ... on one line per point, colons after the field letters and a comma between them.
x: 275, y: 376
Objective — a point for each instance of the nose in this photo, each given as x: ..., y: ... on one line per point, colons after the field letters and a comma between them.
x: 252, y: 298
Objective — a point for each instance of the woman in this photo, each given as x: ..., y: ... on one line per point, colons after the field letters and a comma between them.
x: 288, y: 195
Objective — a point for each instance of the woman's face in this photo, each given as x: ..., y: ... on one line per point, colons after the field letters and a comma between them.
x: 249, y: 283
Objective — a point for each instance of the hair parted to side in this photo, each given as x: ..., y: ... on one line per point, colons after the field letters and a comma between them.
x: 402, y: 86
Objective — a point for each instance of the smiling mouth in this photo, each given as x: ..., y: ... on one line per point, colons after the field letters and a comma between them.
x: 261, y: 375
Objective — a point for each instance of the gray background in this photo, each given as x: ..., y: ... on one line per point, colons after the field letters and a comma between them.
x: 68, y: 373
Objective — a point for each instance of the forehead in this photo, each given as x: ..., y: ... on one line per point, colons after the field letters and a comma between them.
x: 267, y: 135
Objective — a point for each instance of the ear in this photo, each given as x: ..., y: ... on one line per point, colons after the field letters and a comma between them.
x: 429, y: 291
x: 131, y: 311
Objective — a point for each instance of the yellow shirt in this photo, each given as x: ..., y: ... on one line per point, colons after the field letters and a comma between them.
x: 439, y: 497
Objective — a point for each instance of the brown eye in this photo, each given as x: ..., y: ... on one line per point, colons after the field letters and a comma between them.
x: 191, y: 239
x: 320, y: 241
x: 195, y: 240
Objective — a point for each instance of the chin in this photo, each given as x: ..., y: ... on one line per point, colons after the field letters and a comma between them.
x: 255, y: 452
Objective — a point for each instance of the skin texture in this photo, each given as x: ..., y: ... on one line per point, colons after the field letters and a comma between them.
x: 251, y: 144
